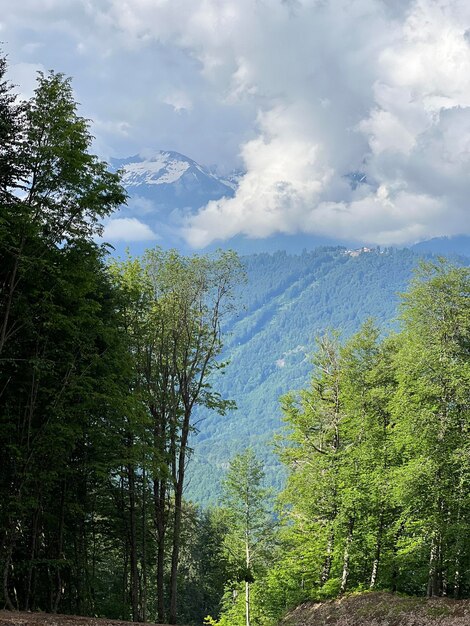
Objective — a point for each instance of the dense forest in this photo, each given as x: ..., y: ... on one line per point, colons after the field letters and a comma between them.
x: 102, y: 365
x: 377, y: 454
x: 106, y: 365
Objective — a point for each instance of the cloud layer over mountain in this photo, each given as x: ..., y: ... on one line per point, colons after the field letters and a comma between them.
x: 306, y: 92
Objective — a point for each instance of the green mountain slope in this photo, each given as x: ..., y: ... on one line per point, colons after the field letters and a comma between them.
x: 288, y: 300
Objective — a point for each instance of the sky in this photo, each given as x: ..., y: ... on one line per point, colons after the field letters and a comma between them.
x: 299, y: 94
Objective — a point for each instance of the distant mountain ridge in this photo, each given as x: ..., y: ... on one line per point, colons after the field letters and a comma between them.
x: 457, y: 245
x: 165, y: 187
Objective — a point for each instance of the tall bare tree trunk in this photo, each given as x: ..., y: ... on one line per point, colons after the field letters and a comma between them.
x: 247, y: 582
x: 143, y: 596
x: 133, y: 544
x: 178, y: 512
x: 347, y: 556
x: 6, y: 578
x: 160, y: 518
x: 247, y: 603
x: 175, y: 555
x: 160, y: 504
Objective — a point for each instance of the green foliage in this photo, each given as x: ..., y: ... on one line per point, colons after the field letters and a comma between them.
x: 249, y: 515
x: 106, y: 370
x: 100, y: 369
x: 174, y: 309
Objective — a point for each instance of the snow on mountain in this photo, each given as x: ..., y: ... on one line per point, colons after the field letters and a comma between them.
x: 155, y: 172
x: 164, y: 187
x: 232, y: 180
x: 168, y: 168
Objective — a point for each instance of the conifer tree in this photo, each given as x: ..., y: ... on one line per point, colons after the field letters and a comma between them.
x: 250, y: 525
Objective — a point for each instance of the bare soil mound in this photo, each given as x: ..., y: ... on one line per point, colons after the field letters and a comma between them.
x: 9, y: 618
x: 381, y: 609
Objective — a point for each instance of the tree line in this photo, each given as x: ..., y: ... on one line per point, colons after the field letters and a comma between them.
x: 101, y: 366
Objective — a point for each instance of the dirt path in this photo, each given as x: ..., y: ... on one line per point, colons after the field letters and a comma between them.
x: 381, y: 609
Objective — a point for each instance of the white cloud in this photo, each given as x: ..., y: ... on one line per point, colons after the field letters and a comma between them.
x: 306, y: 91
x: 398, y: 97
x: 127, y: 229
x: 140, y: 206
x: 179, y: 100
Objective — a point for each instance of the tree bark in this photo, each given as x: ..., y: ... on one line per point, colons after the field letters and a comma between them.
x: 133, y: 543
x: 248, y: 565
x: 247, y: 603
x: 6, y: 577
x: 160, y: 496
x: 179, y: 484
x: 326, y: 569
x: 433, y: 575
x: 143, y: 597
x: 378, y: 550
x: 175, y: 556
x: 159, y: 514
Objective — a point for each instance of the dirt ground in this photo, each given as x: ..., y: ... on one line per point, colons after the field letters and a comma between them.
x: 381, y: 609
x: 9, y: 618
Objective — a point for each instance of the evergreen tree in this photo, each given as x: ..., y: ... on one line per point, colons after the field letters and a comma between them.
x: 250, y: 533
x: 315, y: 420
x: 378, y: 454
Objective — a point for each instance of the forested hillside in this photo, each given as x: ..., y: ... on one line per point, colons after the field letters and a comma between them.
x: 286, y: 302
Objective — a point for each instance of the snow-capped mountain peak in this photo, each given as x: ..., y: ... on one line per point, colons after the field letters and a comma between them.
x: 161, y: 168
x: 168, y: 167
x: 155, y: 172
